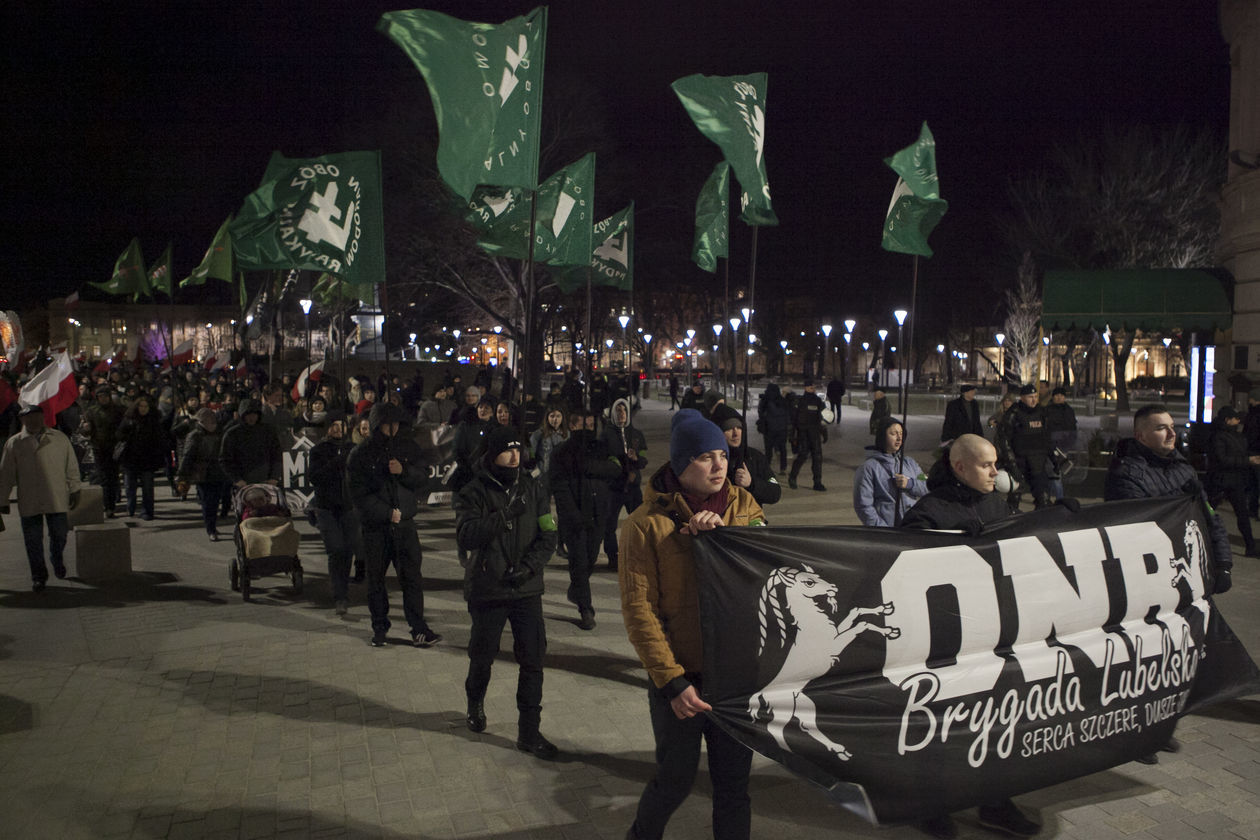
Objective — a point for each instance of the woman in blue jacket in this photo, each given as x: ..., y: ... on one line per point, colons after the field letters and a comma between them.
x: 889, y: 482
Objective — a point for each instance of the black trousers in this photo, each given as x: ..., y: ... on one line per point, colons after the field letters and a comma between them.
x: 107, y: 476
x: 1237, y: 497
x: 397, y: 544
x: 630, y: 499
x: 1032, y: 465
x: 583, y: 546
x: 810, y: 441
x: 529, y: 644
x: 776, y: 441
x: 678, y: 759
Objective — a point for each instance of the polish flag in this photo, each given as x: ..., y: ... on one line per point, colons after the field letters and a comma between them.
x: 216, y: 363
x: 182, y: 354
x: 102, y: 366
x: 311, y: 374
x: 72, y: 301
x: 52, y: 389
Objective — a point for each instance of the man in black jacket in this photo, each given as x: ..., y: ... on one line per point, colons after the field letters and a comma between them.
x: 1228, y: 471
x: 835, y: 393
x: 962, y: 416
x: 747, y: 467
x: 808, y: 435
x: 385, y: 475
x: 502, y: 520
x: 1030, y: 443
x: 250, y: 452
x: 334, y: 514
x: 962, y: 497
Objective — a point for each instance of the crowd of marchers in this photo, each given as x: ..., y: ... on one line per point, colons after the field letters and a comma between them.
x: 534, y: 478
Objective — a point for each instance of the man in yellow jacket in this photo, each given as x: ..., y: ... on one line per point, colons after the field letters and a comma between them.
x: 660, y: 604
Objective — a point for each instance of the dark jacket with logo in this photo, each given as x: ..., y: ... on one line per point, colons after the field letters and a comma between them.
x: 1029, y: 436
x: 504, y: 529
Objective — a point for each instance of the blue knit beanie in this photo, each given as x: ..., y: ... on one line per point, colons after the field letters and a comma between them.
x: 690, y: 434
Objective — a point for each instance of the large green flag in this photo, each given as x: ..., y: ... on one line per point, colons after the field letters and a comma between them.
x: 485, y: 81
x: 612, y: 260
x: 315, y: 214
x: 562, y: 224
x: 160, y: 273
x: 713, y: 211
x: 916, y: 207
x: 129, y: 277
x: 731, y: 111
x: 217, y: 262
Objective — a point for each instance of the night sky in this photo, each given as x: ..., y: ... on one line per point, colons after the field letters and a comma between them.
x: 156, y: 119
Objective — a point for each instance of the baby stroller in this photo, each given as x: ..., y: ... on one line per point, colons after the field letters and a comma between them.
x: 266, y: 541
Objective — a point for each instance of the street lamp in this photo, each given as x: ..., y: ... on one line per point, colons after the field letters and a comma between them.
x: 647, y: 351
x: 826, y: 329
x: 608, y: 342
x: 902, y: 390
x: 624, y: 320
x: 305, y: 303
x: 883, y: 337
x: 1001, y: 338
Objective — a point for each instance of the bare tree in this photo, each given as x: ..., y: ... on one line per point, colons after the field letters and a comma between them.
x: 1129, y: 198
x: 1023, y: 314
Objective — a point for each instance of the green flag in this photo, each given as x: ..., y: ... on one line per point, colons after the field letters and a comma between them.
x: 916, y: 207
x: 562, y: 224
x: 485, y: 81
x: 129, y: 276
x: 217, y: 262
x: 713, y: 211
x: 731, y: 111
x: 612, y: 259
x: 315, y: 214
x: 160, y: 273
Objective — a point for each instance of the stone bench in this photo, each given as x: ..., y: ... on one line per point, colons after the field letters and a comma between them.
x: 102, y: 551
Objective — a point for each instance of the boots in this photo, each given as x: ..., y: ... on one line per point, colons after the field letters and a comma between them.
x: 476, y: 720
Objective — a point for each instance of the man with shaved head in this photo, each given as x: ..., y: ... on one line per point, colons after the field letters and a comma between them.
x: 962, y: 497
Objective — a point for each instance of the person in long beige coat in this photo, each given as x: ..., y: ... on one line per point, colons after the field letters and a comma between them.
x: 40, y: 463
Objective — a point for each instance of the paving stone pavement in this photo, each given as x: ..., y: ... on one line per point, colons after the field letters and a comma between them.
x: 163, y: 706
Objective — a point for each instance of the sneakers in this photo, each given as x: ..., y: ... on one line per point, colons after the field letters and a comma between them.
x: 537, y: 746
x: 942, y: 827
x: 476, y: 719
x: 214, y: 536
x: 378, y: 638
x: 586, y: 620
x: 426, y: 638
x: 341, y: 607
x: 1007, y: 818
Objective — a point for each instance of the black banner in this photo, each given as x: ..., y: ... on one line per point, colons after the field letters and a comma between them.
x: 914, y: 673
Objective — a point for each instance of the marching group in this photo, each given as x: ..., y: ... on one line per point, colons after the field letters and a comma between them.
x: 517, y: 462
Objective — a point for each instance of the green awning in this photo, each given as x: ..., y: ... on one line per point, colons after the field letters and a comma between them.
x: 1151, y: 300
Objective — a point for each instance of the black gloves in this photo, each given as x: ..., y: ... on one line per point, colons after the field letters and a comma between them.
x: 517, y: 576
x: 1072, y: 505
x: 1224, y: 580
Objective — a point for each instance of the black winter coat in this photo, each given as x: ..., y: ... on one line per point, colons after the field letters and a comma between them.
x: 503, y: 529
x: 764, y: 488
x: 1227, y: 467
x: 580, y: 475
x: 962, y: 417
x: 328, y: 475
x: 148, y: 445
x: 1029, y: 436
x: 1138, y: 473
x: 375, y: 491
x: 250, y: 453
x: 952, y: 506
x: 199, y: 463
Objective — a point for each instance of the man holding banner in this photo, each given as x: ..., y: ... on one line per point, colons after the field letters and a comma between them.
x: 964, y: 498
x: 661, y: 609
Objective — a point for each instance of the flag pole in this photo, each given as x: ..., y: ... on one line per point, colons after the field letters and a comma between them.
x: 528, y: 315
x: 726, y: 304
x: 752, y: 298
x: 914, y: 293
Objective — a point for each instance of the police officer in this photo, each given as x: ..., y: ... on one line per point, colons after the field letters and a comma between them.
x: 807, y: 428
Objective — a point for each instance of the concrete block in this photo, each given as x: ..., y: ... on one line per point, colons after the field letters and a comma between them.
x: 102, y: 551
x: 91, y: 507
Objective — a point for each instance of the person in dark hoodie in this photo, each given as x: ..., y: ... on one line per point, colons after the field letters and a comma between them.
x: 889, y: 482
x: 250, y: 452
x: 200, y: 465
x: 629, y: 447
x: 385, y: 476
x: 581, y: 471
x: 502, y: 520
x: 335, y: 515
x: 1228, y: 466
x: 773, y: 419
x: 962, y: 497
x: 746, y: 467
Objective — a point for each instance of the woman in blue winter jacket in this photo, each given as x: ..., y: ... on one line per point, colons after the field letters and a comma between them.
x: 889, y: 482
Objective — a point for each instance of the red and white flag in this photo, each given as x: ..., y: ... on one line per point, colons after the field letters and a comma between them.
x: 182, y: 354
x: 52, y: 389
x: 72, y: 301
x: 217, y: 362
x: 311, y: 374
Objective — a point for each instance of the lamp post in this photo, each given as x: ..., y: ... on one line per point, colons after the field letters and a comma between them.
x: 1167, y: 345
x: 866, y: 361
x: 624, y: 320
x: 883, y: 367
x: 903, y: 392
x: 305, y: 303
x: 1001, y: 338
x: 647, y: 353
x: 717, y: 355
x: 1045, y: 343
x: 608, y: 342
x: 844, y: 365
x: 826, y: 330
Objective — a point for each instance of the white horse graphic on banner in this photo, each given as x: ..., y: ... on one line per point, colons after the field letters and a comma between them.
x: 803, y: 601
x: 1195, y: 559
